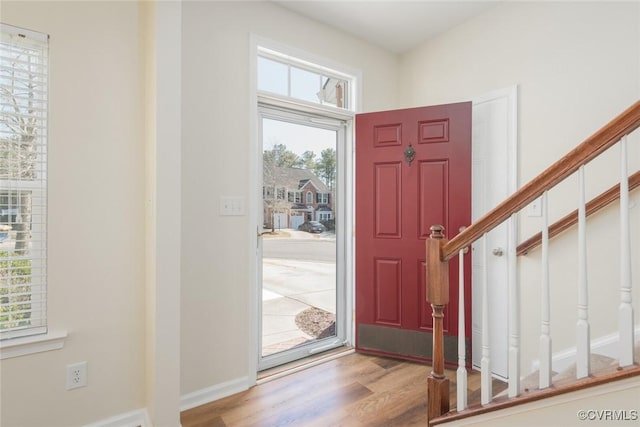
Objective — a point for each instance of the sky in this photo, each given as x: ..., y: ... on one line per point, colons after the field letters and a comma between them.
x: 298, y: 138
x: 276, y: 77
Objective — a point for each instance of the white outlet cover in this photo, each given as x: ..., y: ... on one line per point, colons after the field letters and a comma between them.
x: 76, y: 375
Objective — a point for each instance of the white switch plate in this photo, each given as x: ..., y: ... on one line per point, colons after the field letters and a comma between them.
x: 231, y: 205
x: 535, y: 208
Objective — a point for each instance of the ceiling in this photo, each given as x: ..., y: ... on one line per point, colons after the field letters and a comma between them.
x: 396, y: 26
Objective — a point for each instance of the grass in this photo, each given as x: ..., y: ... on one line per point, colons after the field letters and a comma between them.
x: 15, y: 291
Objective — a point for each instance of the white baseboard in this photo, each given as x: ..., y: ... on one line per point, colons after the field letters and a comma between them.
x: 139, y: 417
x: 209, y: 394
x: 606, y: 346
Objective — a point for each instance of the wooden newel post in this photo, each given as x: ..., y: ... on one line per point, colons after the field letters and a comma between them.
x: 438, y: 296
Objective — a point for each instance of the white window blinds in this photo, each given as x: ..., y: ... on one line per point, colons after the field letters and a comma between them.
x: 23, y: 181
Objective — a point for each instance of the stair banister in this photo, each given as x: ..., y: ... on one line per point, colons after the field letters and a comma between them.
x: 625, y: 123
x: 625, y: 310
x: 438, y: 291
x: 545, y: 302
x: 583, y: 337
x: 597, y: 203
x: 439, y: 250
x: 461, y: 373
x: 486, y: 386
x: 514, y: 313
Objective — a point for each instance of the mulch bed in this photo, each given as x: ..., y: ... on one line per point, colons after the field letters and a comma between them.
x: 316, y: 322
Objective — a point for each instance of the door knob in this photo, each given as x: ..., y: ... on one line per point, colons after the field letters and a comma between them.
x: 498, y: 251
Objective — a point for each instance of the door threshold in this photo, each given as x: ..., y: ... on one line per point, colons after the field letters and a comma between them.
x: 304, y: 363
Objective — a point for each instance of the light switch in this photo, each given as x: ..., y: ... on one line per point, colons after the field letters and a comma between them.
x: 231, y: 205
x: 535, y: 208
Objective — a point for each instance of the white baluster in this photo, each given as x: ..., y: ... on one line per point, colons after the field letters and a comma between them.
x: 582, y: 327
x: 514, y: 313
x: 625, y: 311
x: 545, y: 329
x: 486, y: 394
x: 461, y: 384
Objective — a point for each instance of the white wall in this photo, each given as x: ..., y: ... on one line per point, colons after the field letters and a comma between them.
x: 161, y: 40
x: 216, y: 251
x: 96, y: 218
x: 576, y: 66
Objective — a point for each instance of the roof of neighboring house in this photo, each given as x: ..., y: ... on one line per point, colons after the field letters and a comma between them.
x: 296, y: 179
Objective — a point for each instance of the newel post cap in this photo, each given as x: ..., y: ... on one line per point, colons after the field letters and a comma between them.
x: 437, y: 231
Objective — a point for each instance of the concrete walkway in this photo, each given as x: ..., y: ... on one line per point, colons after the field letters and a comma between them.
x: 290, y: 287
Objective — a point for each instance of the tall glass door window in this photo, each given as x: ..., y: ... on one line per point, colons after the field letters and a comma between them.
x: 302, y: 295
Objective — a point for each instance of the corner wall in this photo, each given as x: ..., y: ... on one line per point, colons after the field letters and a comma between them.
x: 96, y: 218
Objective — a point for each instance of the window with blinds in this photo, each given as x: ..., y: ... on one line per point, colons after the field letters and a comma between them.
x: 23, y: 181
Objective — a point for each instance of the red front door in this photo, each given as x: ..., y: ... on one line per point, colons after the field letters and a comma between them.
x: 397, y: 201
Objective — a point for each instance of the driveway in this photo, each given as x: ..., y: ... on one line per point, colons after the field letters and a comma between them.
x: 299, y: 272
x: 301, y: 249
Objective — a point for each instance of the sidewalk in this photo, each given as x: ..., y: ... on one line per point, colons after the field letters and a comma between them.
x: 290, y: 287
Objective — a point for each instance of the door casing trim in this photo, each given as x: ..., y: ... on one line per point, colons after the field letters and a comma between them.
x: 254, y: 192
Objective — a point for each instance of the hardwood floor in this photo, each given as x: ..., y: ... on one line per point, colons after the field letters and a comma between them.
x: 352, y: 391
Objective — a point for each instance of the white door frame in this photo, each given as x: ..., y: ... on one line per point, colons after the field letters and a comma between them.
x: 494, y: 178
x: 319, y: 119
x: 347, y: 170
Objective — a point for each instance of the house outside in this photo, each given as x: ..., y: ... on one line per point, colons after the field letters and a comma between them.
x: 292, y: 196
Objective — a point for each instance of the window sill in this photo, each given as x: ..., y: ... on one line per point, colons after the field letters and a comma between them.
x: 34, y: 344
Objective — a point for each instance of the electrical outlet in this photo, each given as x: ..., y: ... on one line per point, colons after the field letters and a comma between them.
x: 76, y: 375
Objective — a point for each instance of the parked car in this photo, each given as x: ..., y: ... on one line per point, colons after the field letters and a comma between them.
x: 4, y: 232
x: 312, y: 227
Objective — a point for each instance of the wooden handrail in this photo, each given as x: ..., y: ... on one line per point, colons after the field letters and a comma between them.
x: 597, y: 143
x: 570, y: 220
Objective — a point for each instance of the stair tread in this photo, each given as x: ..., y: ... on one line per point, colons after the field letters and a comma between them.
x: 599, y: 363
x: 607, y: 375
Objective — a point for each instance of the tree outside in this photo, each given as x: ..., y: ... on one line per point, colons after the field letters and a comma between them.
x: 278, y: 159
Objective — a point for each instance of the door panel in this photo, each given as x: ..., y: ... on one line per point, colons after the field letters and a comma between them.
x: 388, y: 291
x: 432, y: 195
x: 388, y: 200
x: 397, y: 202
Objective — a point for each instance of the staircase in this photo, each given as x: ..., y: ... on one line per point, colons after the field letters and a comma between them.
x: 589, y: 369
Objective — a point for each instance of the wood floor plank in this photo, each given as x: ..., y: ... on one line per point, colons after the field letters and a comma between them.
x: 286, y: 395
x: 353, y: 391
x: 309, y: 408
